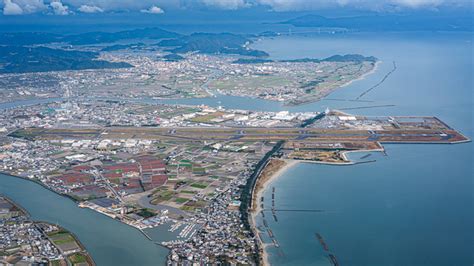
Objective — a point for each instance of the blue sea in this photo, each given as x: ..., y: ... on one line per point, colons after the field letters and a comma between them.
x: 411, y: 207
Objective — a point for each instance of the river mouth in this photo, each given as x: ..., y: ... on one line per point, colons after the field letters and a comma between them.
x: 113, y: 243
x: 109, y: 241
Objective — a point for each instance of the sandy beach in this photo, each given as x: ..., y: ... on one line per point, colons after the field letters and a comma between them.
x: 263, y: 180
x: 363, y: 76
x: 272, y: 171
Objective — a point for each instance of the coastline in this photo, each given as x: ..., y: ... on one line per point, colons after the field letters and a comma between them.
x: 260, y: 188
x: 349, y: 161
x: 33, y: 101
x: 256, y: 208
x: 317, y: 99
x: 264, y: 180
x: 324, y: 95
x: 363, y: 76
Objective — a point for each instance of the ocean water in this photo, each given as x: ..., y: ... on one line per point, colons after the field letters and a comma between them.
x: 412, y: 207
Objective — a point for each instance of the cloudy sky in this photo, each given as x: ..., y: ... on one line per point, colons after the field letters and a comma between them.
x: 69, y: 7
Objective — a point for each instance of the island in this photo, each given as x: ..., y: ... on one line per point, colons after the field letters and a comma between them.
x: 377, y: 23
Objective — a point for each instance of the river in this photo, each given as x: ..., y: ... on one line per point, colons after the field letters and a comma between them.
x: 413, y: 207
x: 109, y: 241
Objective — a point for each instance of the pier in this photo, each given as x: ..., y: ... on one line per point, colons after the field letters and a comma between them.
x: 380, y: 82
x: 369, y: 161
x: 296, y: 210
x: 367, y: 107
x: 331, y: 256
x: 273, y: 205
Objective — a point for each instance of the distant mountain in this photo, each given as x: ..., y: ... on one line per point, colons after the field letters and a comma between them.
x: 388, y: 22
x: 16, y: 59
x: 30, y: 38
x: 338, y: 58
x: 208, y: 43
x: 335, y: 58
x: 212, y: 43
x: 268, y: 34
x: 118, y: 47
x: 350, y: 58
x: 109, y: 37
x: 173, y: 57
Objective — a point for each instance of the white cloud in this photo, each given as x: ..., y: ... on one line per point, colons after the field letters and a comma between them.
x: 418, y: 3
x: 226, y: 4
x: 10, y: 8
x: 17, y: 7
x: 96, y: 6
x: 59, y: 8
x: 31, y: 6
x: 90, y: 9
x: 127, y: 5
x: 153, y: 10
x: 303, y: 5
x: 291, y: 5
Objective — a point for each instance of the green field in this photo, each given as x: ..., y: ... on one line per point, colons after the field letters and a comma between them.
x: 250, y: 82
x: 55, y: 263
x: 60, y: 238
x: 199, y: 185
x: 188, y: 192
x: 64, y: 240
x: 181, y: 200
x: 77, y: 258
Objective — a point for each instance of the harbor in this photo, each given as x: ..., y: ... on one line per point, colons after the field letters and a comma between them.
x: 319, y: 196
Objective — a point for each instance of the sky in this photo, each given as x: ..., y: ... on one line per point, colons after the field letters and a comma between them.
x: 160, y: 7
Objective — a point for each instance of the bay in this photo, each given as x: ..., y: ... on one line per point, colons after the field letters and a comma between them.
x: 413, y: 207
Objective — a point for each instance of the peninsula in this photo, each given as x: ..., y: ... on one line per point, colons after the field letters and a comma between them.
x: 199, y: 65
